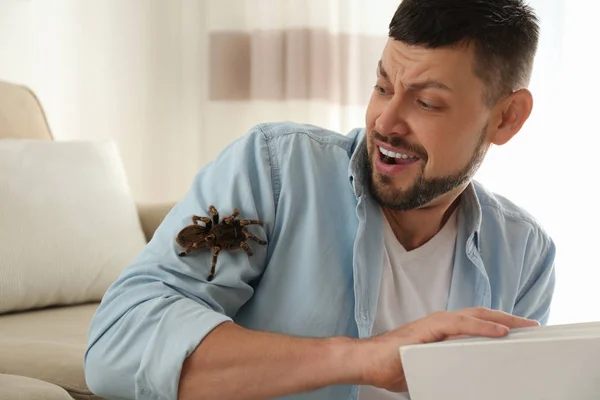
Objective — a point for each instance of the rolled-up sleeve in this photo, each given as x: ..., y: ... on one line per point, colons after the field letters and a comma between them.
x: 162, y: 306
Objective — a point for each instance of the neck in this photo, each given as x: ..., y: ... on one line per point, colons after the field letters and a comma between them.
x: 414, y: 228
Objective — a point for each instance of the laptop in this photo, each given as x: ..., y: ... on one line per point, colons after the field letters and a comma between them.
x: 557, y: 362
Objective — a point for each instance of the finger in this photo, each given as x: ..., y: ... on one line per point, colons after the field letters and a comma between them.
x: 445, y: 325
x: 454, y: 337
x: 500, y: 317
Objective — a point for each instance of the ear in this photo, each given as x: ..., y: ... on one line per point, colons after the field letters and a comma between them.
x: 512, y: 114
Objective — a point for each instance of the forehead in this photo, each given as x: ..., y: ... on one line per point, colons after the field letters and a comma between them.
x: 453, y: 66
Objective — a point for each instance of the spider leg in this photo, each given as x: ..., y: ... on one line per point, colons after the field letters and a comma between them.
x: 250, y: 236
x: 235, y: 213
x: 210, y: 236
x: 187, y: 250
x: 246, y: 248
x: 196, y: 218
x: 207, y: 221
x: 215, y: 214
x: 250, y: 222
x: 215, y: 251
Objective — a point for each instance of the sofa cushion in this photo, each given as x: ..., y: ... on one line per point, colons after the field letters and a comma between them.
x: 68, y: 223
x: 48, y: 345
x: 13, y: 387
x: 21, y: 114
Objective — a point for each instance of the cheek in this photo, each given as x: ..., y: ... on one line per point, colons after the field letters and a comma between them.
x: 447, y: 148
x: 448, y: 154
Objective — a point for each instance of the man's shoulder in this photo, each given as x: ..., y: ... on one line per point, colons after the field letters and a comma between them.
x: 291, y: 131
x: 507, y: 212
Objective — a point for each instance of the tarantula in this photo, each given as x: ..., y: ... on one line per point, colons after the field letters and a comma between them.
x: 229, y: 234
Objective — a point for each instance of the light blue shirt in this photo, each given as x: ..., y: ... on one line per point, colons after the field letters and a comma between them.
x: 319, y: 275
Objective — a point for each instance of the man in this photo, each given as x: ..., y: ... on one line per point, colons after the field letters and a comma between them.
x: 375, y: 240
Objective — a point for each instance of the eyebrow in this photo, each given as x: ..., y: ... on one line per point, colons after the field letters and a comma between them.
x: 417, y: 85
x: 381, y: 70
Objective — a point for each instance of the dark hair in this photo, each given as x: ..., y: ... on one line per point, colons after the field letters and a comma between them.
x: 504, y: 33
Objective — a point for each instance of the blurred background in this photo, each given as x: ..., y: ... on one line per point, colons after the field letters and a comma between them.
x: 174, y: 81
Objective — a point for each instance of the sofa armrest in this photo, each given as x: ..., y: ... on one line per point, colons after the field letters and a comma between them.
x: 151, y: 216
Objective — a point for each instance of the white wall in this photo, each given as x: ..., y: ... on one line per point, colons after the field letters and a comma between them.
x: 126, y: 70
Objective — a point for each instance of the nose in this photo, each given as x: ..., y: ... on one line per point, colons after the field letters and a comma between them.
x: 391, y: 120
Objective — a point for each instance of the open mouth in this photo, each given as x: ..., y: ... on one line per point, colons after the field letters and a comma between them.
x: 393, y: 158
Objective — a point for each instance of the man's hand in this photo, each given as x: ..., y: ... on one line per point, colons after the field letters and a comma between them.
x: 380, y: 356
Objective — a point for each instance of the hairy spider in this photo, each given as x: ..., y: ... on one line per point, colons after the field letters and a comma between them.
x: 229, y: 234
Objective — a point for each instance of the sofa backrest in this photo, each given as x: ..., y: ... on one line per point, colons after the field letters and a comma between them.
x: 21, y: 114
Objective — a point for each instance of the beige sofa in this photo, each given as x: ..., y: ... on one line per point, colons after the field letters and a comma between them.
x: 41, y: 351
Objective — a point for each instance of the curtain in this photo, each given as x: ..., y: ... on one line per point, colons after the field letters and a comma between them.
x: 308, y: 61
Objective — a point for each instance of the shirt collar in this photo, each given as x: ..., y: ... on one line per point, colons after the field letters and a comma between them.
x: 470, y: 207
x: 359, y: 158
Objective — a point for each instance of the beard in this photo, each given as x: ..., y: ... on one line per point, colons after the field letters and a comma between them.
x: 424, y: 190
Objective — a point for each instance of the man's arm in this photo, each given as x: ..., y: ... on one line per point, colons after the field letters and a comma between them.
x: 234, y: 363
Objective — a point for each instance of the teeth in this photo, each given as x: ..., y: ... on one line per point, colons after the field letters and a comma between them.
x: 388, y: 153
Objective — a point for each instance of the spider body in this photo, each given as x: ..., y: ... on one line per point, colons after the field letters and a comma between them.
x: 228, y: 234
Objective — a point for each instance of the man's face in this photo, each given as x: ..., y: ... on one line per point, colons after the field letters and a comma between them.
x: 426, y: 124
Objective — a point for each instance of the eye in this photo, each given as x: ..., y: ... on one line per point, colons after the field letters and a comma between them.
x: 427, y: 106
x: 379, y: 89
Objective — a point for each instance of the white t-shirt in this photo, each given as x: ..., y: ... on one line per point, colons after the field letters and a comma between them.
x: 413, y: 285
